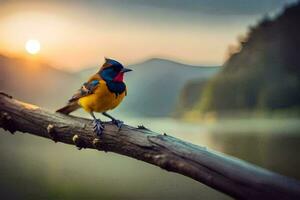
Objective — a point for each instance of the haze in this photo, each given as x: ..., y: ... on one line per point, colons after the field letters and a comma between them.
x: 78, y: 34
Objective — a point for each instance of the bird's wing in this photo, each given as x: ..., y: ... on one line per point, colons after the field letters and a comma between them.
x: 86, y: 89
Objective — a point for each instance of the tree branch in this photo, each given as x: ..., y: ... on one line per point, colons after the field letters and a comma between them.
x: 224, y: 173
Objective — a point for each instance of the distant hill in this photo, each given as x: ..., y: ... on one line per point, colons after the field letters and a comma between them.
x: 154, y: 86
x: 264, y: 74
x: 35, y: 82
x: 190, y: 94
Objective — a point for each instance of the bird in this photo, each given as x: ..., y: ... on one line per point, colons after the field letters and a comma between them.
x: 103, y: 91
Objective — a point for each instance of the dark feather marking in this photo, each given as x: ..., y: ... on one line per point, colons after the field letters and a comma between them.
x: 116, y: 87
x: 86, y: 89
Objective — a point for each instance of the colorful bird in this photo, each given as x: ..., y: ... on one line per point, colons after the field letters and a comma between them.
x: 102, y: 92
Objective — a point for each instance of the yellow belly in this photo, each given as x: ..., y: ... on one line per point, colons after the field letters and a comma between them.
x: 101, y: 100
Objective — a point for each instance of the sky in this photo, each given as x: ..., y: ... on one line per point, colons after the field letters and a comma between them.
x: 79, y: 34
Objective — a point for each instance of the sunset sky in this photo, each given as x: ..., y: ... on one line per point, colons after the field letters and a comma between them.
x: 78, y: 34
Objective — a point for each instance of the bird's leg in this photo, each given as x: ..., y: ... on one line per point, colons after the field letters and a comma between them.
x: 116, y: 122
x: 98, y: 126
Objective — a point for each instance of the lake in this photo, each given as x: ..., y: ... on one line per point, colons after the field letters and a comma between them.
x: 33, y: 167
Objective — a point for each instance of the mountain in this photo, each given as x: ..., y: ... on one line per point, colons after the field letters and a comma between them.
x: 154, y: 86
x: 35, y: 82
x: 264, y: 74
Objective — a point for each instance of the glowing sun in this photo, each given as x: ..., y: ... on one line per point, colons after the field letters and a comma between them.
x: 33, y: 46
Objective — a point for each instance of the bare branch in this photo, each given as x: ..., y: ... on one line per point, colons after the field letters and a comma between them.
x: 224, y: 173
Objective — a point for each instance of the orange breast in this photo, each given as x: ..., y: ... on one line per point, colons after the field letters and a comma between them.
x: 101, y: 100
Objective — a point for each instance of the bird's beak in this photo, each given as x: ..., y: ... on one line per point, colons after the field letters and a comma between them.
x: 124, y: 70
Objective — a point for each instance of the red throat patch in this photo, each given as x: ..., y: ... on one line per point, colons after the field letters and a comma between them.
x: 119, y: 77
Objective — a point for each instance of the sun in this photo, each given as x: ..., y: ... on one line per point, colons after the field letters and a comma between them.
x: 33, y: 46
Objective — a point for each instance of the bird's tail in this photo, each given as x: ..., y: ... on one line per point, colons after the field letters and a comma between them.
x: 70, y: 107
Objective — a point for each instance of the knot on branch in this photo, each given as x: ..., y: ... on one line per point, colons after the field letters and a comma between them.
x: 79, y: 142
x: 52, y: 133
x: 96, y: 143
x: 99, y: 146
x: 163, y: 161
x: 6, y: 122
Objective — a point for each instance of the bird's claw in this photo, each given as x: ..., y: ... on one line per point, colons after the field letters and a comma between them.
x: 117, y: 122
x: 98, y: 127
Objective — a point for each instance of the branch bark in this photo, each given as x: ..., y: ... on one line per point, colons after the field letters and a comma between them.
x: 224, y: 173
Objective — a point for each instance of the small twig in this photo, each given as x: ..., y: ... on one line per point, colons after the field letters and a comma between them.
x: 142, y: 127
x: 5, y: 94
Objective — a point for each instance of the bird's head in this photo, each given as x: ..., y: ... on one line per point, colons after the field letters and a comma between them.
x: 112, y: 70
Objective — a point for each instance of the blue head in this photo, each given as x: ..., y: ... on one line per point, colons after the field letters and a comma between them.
x: 112, y: 70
